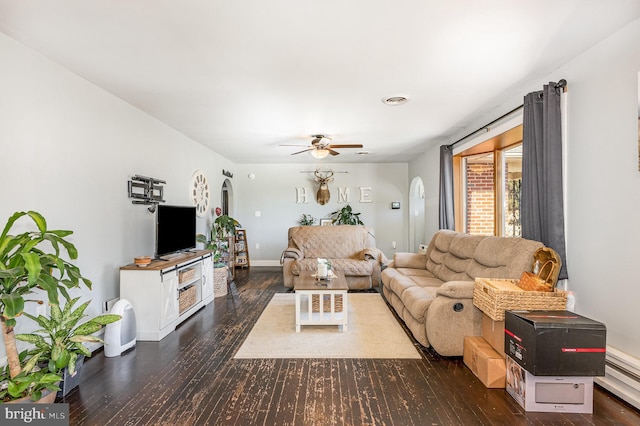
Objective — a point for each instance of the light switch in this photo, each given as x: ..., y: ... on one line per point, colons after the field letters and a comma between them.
x: 258, y: 213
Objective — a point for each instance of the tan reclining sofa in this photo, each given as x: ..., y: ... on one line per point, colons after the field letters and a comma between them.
x: 433, y: 292
x: 350, y: 249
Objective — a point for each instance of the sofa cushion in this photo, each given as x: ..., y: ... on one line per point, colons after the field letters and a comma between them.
x: 353, y: 267
x: 424, y: 281
x: 330, y: 241
x: 498, y: 257
x: 388, y: 274
x: 414, y: 272
x: 350, y: 267
x: 451, y: 254
x: 417, y: 299
x: 410, y: 260
x: 400, y: 283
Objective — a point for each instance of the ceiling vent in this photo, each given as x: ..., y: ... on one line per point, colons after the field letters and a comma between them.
x: 395, y: 100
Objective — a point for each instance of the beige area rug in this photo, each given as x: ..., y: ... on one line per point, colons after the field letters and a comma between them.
x: 372, y: 332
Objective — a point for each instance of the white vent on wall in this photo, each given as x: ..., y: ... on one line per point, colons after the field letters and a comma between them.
x: 622, y: 376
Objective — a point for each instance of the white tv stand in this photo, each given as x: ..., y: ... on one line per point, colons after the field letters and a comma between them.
x: 167, y: 292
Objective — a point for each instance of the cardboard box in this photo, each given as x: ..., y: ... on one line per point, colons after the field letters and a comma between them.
x: 555, y: 343
x: 484, y: 362
x: 493, y: 333
x: 549, y: 394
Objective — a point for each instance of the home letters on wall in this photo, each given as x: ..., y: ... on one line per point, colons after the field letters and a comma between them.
x: 322, y: 196
x: 344, y: 194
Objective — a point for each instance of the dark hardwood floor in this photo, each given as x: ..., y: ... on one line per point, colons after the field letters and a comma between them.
x: 191, y: 378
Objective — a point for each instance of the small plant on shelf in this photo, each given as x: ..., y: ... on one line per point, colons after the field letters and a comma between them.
x: 307, y: 220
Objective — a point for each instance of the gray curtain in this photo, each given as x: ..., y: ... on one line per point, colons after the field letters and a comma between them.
x: 542, y: 210
x: 446, y: 217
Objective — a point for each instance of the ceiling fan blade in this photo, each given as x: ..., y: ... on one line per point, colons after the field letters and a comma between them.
x: 304, y: 150
x: 345, y: 146
x: 332, y: 152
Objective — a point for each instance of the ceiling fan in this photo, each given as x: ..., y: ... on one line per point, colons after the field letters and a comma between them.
x: 321, y: 146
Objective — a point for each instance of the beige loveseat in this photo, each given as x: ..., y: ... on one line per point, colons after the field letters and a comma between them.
x: 350, y: 248
x: 433, y: 292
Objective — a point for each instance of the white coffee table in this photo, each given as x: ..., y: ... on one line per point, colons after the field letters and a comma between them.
x: 327, y: 310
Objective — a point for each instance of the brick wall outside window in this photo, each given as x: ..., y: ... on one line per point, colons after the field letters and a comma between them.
x: 480, y: 198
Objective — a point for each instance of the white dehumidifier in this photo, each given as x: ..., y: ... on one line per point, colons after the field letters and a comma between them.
x: 120, y: 335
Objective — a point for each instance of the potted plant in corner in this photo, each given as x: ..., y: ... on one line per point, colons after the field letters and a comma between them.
x: 30, y: 260
x: 60, y: 341
x: 218, y: 240
x: 223, y: 227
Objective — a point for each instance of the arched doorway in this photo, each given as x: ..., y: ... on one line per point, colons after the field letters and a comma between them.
x: 416, y: 214
x: 226, y: 198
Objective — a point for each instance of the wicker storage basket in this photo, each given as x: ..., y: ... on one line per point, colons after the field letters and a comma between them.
x: 220, y: 276
x: 187, y: 298
x: 326, y: 303
x: 494, y: 296
x: 186, y: 275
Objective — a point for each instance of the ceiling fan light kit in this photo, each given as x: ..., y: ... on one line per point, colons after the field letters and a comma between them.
x: 319, y: 153
x: 321, y: 147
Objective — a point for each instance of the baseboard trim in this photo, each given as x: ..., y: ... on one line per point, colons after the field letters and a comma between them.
x: 622, y: 373
x: 265, y: 263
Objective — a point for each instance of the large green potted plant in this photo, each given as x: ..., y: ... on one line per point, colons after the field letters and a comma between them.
x: 222, y: 228
x: 346, y: 216
x: 60, y: 341
x: 28, y: 261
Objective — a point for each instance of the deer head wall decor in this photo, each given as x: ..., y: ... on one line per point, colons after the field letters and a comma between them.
x: 322, y: 196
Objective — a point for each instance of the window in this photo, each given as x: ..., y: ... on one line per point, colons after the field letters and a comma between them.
x: 488, y: 178
x: 512, y: 159
x: 479, y: 194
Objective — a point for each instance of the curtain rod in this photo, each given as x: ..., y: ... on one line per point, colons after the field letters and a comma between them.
x: 562, y: 84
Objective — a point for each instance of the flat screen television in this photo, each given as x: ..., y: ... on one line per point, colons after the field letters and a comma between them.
x: 175, y: 229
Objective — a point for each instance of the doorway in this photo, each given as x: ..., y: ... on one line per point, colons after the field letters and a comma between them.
x: 226, y: 198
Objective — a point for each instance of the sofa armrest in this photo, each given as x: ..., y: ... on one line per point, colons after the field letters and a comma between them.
x: 451, y: 317
x: 291, y: 253
x: 410, y: 260
x: 456, y: 289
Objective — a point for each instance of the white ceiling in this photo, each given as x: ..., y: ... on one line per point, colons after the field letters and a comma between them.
x: 243, y: 77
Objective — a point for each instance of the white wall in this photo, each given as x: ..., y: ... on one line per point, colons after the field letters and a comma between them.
x: 427, y: 167
x: 603, y: 182
x: 69, y: 148
x: 273, y: 193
